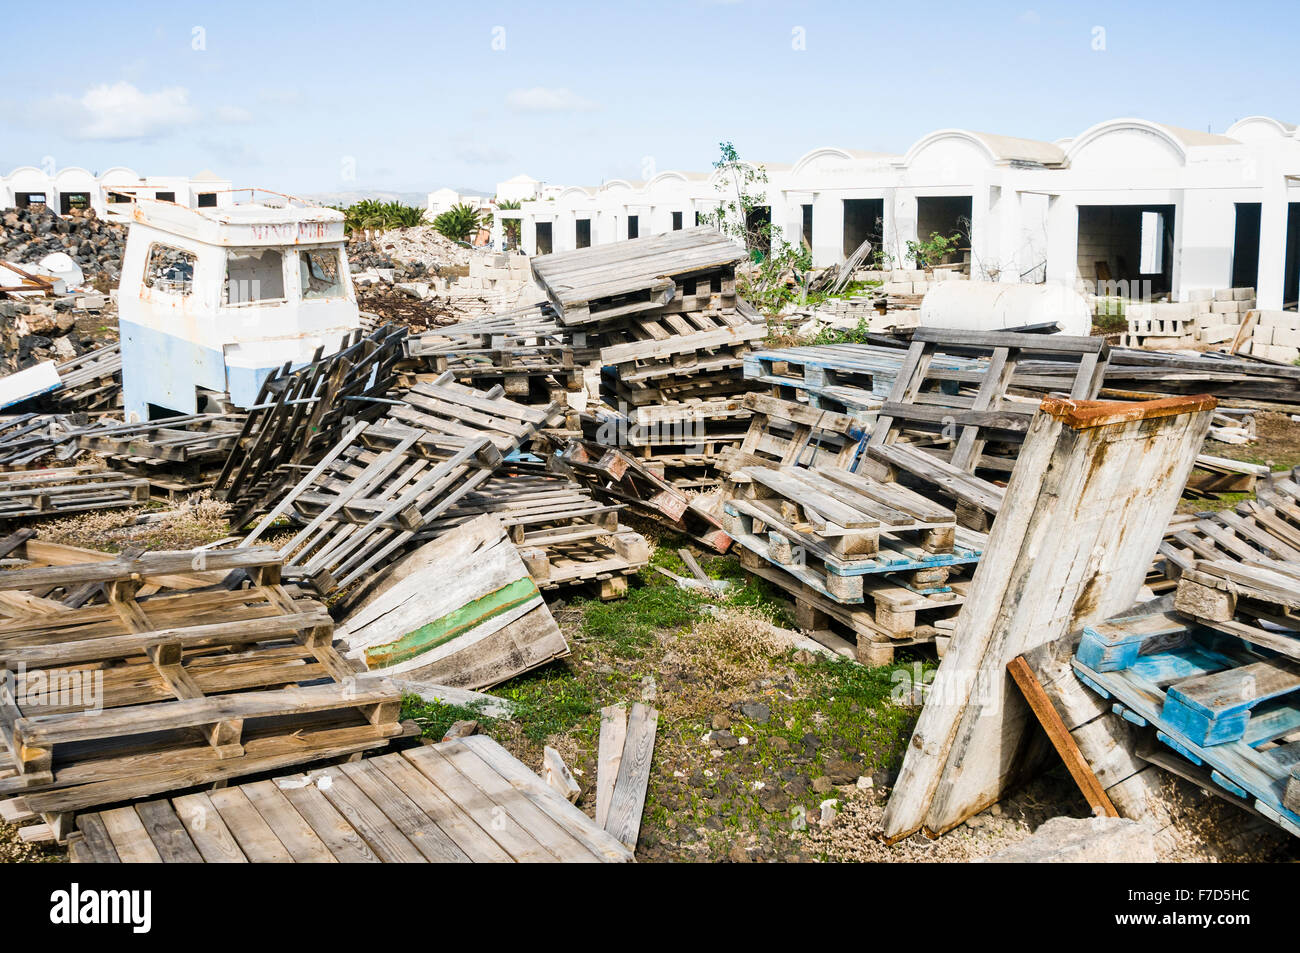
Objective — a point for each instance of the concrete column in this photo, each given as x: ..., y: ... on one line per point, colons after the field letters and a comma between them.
x: 828, y: 229
x: 1206, y: 236
x: 1272, y: 243
x: 1062, y: 240
x: 900, y: 227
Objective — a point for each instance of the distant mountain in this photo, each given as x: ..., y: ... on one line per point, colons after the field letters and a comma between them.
x: 419, y: 199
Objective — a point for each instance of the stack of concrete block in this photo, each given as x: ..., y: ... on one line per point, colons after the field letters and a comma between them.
x: 1206, y: 319
x: 1275, y: 336
x: 914, y: 282
x: 500, y: 272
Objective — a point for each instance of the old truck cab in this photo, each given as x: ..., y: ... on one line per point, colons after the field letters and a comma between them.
x: 213, y: 300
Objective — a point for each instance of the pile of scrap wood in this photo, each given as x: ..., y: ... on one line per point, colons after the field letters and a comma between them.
x: 1209, y: 679
x: 663, y: 320
x: 128, y: 677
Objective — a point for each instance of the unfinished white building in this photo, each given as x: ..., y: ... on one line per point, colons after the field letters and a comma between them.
x: 1143, y: 207
x: 108, y: 193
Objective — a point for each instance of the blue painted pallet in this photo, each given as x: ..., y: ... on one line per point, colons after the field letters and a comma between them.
x: 838, y: 581
x: 1241, y: 742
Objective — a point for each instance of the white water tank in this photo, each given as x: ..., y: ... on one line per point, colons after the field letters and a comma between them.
x: 993, y: 306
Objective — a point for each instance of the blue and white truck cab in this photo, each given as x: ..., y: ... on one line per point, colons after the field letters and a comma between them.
x: 213, y: 300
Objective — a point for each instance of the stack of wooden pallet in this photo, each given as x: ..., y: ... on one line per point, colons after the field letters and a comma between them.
x: 671, y: 336
x: 527, y: 351
x: 874, y: 559
x: 130, y: 694
x: 66, y: 490
x: 177, y: 454
x: 363, y: 504
x: 565, y: 535
x: 1212, y: 683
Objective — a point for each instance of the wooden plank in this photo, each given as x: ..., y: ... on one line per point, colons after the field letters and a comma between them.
x: 168, y: 834
x: 509, y: 833
x: 130, y: 837
x: 254, y: 836
x: 471, y: 839
x: 207, y: 829
x: 293, y: 830
x: 1060, y: 737
x: 329, y: 825
x: 419, y: 828
x: 383, y: 837
x: 628, y: 799
x: 613, y: 736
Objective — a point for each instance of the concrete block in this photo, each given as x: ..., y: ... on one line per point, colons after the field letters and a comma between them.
x: 1200, y: 294
x: 1286, y: 319
x: 1243, y: 294
x: 1173, y: 309
x: 1083, y: 840
x: 1275, y: 352
x: 1263, y: 334
x: 1223, y: 294
x: 1218, y: 334
x: 1287, y: 337
x: 897, y: 288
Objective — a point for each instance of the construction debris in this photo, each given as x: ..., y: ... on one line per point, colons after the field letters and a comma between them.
x: 435, y: 494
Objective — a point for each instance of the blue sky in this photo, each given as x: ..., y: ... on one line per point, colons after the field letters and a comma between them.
x: 335, y: 96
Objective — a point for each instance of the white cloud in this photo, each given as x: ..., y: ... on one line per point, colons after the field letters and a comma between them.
x: 541, y: 99
x: 121, y: 111
x: 233, y: 114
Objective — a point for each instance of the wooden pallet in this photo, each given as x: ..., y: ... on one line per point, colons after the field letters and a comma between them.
x: 829, y: 527
x: 363, y: 504
x: 67, y: 490
x: 90, y: 381
x: 565, y: 536
x: 603, y: 282
x: 1215, y: 703
x: 511, y: 348
x: 612, y: 472
x: 785, y: 433
x: 204, y: 439
x: 467, y: 801
x: 903, y: 563
x: 889, y: 617
x: 140, y: 695
x: 1263, y: 532
x: 958, y: 416
x: 28, y: 438
x: 300, y: 415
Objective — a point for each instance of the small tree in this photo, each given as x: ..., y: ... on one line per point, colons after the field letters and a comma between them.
x: 459, y: 223
x: 741, y: 196
x: 929, y: 253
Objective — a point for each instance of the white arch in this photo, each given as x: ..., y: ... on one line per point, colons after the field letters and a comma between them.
x: 1095, y: 132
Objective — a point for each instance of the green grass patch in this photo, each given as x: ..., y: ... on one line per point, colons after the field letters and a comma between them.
x: 434, y: 718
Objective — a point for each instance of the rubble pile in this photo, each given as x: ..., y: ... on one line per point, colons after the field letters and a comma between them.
x: 30, y: 234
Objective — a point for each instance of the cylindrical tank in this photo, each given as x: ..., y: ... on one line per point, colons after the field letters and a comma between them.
x: 993, y: 306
